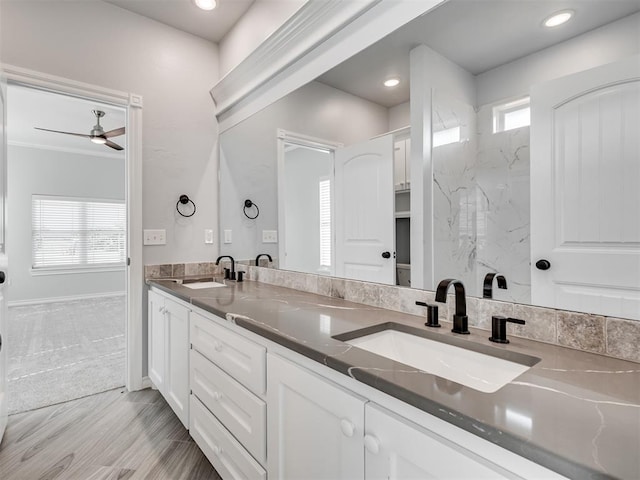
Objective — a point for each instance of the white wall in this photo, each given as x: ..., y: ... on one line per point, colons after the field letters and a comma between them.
x: 46, y: 172
x: 399, y: 116
x: 248, y: 158
x: 101, y: 44
x: 262, y: 19
x: 606, y: 44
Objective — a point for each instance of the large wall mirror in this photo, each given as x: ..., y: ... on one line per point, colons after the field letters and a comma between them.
x: 517, y: 124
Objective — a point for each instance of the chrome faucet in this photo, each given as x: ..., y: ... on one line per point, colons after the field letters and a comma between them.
x: 460, y: 319
x: 263, y: 255
x: 488, y: 284
x: 232, y: 274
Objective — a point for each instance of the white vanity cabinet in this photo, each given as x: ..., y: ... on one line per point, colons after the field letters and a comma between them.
x: 318, y: 429
x: 228, y: 381
x: 397, y: 448
x: 169, y: 352
x: 315, y: 428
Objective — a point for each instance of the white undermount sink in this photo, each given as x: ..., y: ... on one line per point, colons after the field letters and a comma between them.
x: 480, y: 371
x: 199, y: 285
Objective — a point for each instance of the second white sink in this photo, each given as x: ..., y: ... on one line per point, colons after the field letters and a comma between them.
x: 479, y: 371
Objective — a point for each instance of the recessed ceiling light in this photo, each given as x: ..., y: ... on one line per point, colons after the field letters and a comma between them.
x: 392, y: 82
x: 558, y: 18
x: 206, y: 4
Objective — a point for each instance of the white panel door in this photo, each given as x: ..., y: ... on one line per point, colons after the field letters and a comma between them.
x: 364, y: 196
x: 177, y: 360
x: 585, y: 190
x: 3, y: 259
x: 157, y: 335
x: 397, y: 449
x: 314, y: 428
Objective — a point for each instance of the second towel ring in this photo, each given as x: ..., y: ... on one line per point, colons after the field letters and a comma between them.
x: 184, y: 199
x: 249, y: 204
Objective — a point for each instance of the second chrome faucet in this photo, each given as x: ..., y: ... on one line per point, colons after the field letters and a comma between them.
x: 460, y: 319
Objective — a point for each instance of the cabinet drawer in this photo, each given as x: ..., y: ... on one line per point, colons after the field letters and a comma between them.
x: 241, y: 358
x: 223, y: 451
x: 240, y: 411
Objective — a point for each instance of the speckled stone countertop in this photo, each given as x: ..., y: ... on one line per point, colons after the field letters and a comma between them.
x: 576, y: 413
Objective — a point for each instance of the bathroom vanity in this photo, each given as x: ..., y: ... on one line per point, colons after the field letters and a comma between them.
x: 274, y: 394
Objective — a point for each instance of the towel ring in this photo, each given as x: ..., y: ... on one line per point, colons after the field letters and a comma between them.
x: 184, y: 199
x: 249, y: 204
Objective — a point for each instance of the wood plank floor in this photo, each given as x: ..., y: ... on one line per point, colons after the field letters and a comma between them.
x: 111, y: 435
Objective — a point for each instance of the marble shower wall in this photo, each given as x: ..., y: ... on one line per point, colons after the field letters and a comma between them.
x: 454, y: 198
x: 503, y: 208
x: 481, y: 201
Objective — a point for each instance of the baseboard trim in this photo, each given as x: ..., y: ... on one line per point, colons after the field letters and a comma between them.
x: 146, y: 383
x: 37, y: 301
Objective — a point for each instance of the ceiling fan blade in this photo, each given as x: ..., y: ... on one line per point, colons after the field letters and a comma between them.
x: 65, y: 133
x: 114, y: 133
x: 115, y: 146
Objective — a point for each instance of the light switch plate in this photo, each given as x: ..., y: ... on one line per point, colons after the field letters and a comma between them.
x: 269, y: 236
x: 227, y: 236
x: 208, y: 236
x: 155, y: 237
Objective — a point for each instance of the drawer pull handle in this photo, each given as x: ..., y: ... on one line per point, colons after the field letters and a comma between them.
x: 217, y: 346
x: 217, y: 395
x: 372, y: 444
x: 217, y: 450
x: 347, y: 427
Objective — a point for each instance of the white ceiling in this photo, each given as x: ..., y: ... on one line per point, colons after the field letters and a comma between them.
x: 478, y: 35
x: 28, y: 108
x: 184, y: 15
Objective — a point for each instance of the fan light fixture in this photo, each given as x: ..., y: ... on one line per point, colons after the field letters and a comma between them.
x: 206, y: 4
x: 392, y: 82
x: 99, y: 140
x: 558, y: 18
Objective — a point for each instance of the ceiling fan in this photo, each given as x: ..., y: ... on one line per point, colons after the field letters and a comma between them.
x: 97, y: 134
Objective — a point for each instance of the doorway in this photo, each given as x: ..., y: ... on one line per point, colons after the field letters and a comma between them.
x: 66, y: 238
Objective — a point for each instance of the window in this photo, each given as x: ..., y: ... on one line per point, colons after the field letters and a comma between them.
x: 77, y: 233
x: 445, y: 137
x: 325, y: 223
x: 512, y: 115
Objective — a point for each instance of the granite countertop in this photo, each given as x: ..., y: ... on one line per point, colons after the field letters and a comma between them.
x: 576, y: 413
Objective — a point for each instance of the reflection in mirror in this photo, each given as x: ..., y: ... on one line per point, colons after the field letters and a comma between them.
x: 483, y: 87
x: 306, y: 226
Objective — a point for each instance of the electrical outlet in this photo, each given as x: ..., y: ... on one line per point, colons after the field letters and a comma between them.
x: 269, y: 236
x: 155, y: 237
x: 208, y: 236
x: 227, y: 236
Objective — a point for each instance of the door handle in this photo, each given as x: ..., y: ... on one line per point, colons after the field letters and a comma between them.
x: 3, y: 277
x: 386, y: 254
x: 543, y: 264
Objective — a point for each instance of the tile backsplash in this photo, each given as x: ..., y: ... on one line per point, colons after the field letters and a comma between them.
x: 614, y: 337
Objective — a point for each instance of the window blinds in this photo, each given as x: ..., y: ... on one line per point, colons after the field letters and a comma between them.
x: 77, y: 233
x: 325, y: 223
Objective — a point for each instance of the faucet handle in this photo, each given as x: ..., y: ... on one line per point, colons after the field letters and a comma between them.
x: 432, y: 315
x: 499, y: 328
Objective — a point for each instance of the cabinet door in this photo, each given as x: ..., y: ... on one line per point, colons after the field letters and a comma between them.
x: 399, y: 176
x: 407, y: 163
x: 314, y: 428
x: 177, y: 362
x: 156, y: 329
x: 398, y: 449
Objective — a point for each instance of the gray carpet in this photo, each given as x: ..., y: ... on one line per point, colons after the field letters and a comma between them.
x: 62, y: 351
